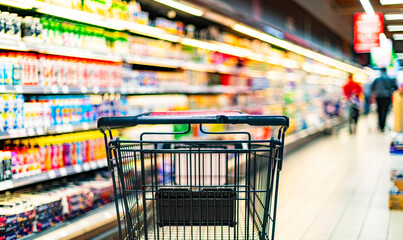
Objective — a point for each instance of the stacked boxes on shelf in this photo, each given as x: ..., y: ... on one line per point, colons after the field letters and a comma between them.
x: 22, y: 213
x: 396, y: 150
x: 49, y: 111
x: 32, y: 156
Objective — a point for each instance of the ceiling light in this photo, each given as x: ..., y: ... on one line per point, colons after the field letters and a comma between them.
x: 182, y: 7
x: 395, y: 16
x: 390, y: 2
x: 398, y: 36
x: 399, y: 55
x: 395, y: 28
x: 367, y: 7
x: 297, y: 49
x: 15, y: 4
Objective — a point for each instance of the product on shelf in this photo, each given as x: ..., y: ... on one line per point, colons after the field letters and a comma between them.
x: 396, y: 176
x: 43, y: 112
x: 398, y: 111
x: 33, y: 210
x: 27, y: 157
x: 12, y: 111
x: 73, y: 109
x: 49, y: 70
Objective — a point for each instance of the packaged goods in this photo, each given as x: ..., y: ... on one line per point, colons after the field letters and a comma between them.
x: 398, y: 111
x: 32, y: 156
x: 28, y: 211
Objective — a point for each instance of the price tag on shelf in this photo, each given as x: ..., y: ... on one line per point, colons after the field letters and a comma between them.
x: 19, y: 89
x: 123, y: 90
x: 31, y: 131
x: 51, y: 174
x: 68, y: 128
x: 3, y: 89
x: 86, y: 126
x: 59, y: 128
x: 84, y: 89
x: 40, y: 131
x: 2, y: 186
x: 99, y: 163
x: 65, y: 89
x: 54, y: 89
x: 22, y: 132
x: 63, y: 172
x: 96, y: 90
x: 77, y: 168
x: 93, y: 165
x: 13, y: 133
x: 132, y: 89
x: 111, y: 89
x: 86, y: 166
x: 8, y: 184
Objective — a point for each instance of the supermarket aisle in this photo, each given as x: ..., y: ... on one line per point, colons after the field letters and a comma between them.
x: 337, y: 188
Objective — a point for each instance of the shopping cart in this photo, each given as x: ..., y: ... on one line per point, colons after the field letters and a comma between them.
x: 195, y: 189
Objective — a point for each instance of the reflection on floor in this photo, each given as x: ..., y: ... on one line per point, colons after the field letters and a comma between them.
x: 337, y: 188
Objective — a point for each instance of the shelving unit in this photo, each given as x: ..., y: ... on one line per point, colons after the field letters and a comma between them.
x: 131, y: 90
x: 86, y: 225
x: 53, y: 174
x: 32, y: 132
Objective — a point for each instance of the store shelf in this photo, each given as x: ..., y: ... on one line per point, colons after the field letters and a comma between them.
x: 295, y: 140
x: 132, y: 90
x: 120, y: 25
x: 79, y: 227
x: 6, y: 44
x: 53, y: 174
x: 31, y: 132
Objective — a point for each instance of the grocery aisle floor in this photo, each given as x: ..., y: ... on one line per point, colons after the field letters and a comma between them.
x: 337, y: 188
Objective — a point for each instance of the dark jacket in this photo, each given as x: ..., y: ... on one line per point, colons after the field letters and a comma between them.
x: 383, y: 86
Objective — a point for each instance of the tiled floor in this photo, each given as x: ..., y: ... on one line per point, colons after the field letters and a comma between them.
x: 337, y: 188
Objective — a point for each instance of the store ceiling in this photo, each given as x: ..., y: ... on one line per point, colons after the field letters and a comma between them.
x: 349, y: 7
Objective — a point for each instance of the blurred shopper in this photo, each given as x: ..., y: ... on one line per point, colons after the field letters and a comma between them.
x: 367, y: 97
x: 383, y: 88
x: 352, y: 91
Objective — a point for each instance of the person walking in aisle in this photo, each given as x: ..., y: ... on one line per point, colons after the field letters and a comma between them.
x: 383, y: 88
x: 367, y: 97
x: 352, y: 91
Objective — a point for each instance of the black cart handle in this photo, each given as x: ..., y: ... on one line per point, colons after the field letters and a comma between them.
x: 193, y: 117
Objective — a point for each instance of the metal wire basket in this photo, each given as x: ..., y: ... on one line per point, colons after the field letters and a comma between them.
x: 195, y: 189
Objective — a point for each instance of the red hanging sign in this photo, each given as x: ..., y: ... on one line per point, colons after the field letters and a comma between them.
x: 366, y: 31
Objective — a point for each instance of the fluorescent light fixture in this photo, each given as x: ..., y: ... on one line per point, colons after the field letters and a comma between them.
x: 395, y: 16
x: 181, y: 7
x: 297, y: 49
x: 395, y: 28
x: 399, y: 55
x: 199, y: 44
x: 367, y: 7
x: 383, y: 40
x: 391, y: 2
x: 398, y: 37
x: 15, y: 4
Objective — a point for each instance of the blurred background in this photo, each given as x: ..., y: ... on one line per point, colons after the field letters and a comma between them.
x: 324, y: 64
